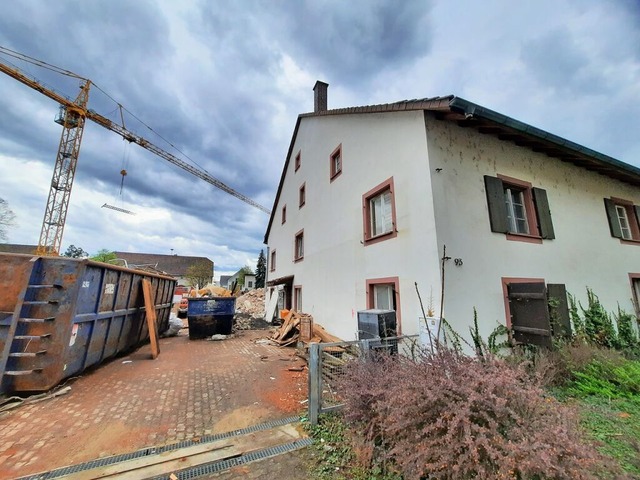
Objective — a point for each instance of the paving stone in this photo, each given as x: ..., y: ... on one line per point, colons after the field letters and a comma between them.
x: 192, y: 389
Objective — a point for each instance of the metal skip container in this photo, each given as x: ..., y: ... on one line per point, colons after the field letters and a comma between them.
x: 59, y: 316
x: 210, y: 316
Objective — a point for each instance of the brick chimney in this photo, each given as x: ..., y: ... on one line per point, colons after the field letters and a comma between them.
x: 320, y: 96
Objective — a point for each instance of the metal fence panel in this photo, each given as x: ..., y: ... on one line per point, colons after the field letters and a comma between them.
x: 328, y: 362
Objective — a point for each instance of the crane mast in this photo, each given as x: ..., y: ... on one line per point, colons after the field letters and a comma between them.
x: 72, y: 117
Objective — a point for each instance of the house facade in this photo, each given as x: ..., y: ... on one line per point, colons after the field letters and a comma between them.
x: 443, y: 192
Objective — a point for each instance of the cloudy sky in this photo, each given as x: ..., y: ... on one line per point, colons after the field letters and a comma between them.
x: 223, y: 82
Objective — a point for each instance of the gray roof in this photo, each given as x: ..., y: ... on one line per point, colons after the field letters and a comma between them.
x: 175, y: 265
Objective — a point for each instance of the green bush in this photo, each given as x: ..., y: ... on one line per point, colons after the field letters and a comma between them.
x: 607, y: 379
x: 598, y: 326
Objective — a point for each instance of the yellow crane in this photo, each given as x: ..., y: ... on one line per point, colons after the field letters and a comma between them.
x: 72, y: 117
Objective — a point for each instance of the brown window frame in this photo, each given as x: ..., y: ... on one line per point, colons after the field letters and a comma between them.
x: 378, y: 190
x: 395, y: 282
x: 298, y: 235
x: 632, y: 213
x: 284, y: 214
x: 333, y: 172
x: 534, y: 201
x: 302, y: 195
x: 298, y: 161
x: 272, y: 261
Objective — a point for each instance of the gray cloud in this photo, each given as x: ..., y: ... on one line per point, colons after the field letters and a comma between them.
x: 352, y: 41
x: 557, y: 61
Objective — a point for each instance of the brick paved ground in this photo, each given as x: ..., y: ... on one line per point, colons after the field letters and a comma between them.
x: 193, y: 388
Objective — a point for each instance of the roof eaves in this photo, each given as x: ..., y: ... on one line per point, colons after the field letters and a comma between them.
x: 470, y: 110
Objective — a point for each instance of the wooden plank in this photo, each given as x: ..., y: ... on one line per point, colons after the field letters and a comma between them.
x: 150, y: 313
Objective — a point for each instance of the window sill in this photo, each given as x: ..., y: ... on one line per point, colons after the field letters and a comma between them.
x: 334, y: 176
x: 632, y: 241
x: 521, y: 237
x: 299, y: 259
x: 380, y: 238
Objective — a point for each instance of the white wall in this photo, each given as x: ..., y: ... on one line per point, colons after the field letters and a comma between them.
x: 582, y: 254
x: 336, y: 264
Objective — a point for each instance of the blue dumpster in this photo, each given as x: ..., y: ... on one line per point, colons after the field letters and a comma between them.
x: 59, y: 316
x: 210, y: 316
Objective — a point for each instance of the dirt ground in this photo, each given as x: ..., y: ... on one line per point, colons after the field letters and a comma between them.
x: 194, y: 388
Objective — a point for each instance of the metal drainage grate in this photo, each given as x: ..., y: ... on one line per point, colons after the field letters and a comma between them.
x: 221, y: 465
x: 151, y: 451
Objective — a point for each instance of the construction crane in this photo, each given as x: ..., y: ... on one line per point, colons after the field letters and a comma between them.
x: 72, y: 117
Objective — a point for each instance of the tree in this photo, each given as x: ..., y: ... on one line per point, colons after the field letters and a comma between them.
x: 75, y: 252
x: 261, y: 270
x: 199, y: 274
x: 7, y: 218
x: 105, y: 256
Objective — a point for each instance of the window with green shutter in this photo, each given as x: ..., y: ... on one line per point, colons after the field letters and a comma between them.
x: 517, y: 209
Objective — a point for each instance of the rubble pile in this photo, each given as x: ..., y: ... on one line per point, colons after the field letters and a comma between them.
x: 251, y: 303
x: 210, y: 291
x: 250, y: 311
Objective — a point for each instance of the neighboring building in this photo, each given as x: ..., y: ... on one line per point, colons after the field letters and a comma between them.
x: 224, y: 281
x: 174, y: 265
x: 249, y: 282
x: 370, y: 196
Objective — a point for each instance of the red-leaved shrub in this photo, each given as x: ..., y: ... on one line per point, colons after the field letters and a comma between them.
x: 450, y: 416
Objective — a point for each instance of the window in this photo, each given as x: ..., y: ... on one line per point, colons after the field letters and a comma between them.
x: 623, y: 218
x: 297, y: 161
x: 518, y: 210
x: 383, y: 297
x: 297, y: 298
x: 272, y: 263
x: 379, y: 213
x: 335, y: 162
x: 302, y: 195
x: 384, y: 293
x: 284, y: 214
x: 250, y: 284
x: 298, y: 252
x: 536, y: 312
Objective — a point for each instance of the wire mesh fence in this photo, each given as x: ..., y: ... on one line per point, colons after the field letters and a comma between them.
x: 328, y: 362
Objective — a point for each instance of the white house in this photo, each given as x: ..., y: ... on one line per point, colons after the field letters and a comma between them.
x: 371, y: 198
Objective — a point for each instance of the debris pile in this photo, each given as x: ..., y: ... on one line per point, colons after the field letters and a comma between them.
x: 251, y: 303
x: 210, y: 291
x: 250, y: 311
x: 299, y: 326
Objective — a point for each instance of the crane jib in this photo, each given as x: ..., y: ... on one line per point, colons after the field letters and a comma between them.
x: 57, y: 205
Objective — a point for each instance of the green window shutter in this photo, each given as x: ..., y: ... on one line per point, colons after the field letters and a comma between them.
x: 495, y: 202
x: 559, y: 310
x: 543, y: 213
x: 612, y: 215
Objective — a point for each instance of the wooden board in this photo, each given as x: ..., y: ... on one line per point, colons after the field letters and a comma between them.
x: 150, y: 311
